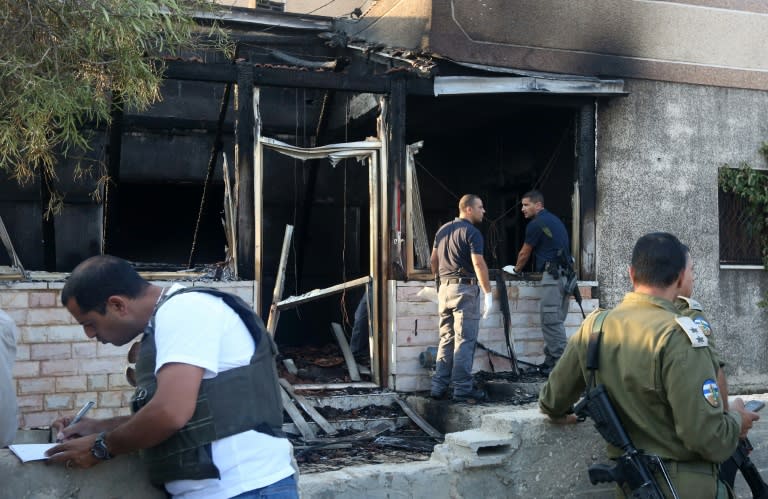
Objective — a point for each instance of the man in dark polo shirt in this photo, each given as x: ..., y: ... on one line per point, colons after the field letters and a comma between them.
x: 547, y: 239
x: 457, y: 258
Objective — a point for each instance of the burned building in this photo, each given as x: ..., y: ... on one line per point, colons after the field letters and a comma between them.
x: 362, y: 133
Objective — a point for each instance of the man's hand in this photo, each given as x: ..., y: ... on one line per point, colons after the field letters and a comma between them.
x: 747, y: 417
x: 74, y: 453
x: 64, y: 432
x: 487, y: 304
x: 567, y: 419
x: 510, y: 269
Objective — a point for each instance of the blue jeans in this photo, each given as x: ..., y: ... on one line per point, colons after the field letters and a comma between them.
x: 282, y: 489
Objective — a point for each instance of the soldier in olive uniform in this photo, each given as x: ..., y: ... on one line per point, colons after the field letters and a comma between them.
x: 659, y: 372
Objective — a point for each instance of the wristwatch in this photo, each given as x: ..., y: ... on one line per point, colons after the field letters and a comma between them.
x: 99, y: 449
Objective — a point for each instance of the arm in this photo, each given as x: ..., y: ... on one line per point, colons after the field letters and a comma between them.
x: 481, y: 271
x: 723, y: 385
x: 86, y: 426
x: 702, y: 427
x: 565, y: 383
x: 8, y: 422
x: 168, y: 411
x: 434, y: 262
x: 523, y: 256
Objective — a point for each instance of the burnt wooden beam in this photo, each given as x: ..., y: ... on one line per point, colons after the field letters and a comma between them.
x: 587, y: 177
x: 267, y: 76
x: 48, y: 220
x: 215, y: 150
x: 138, y: 123
x: 395, y: 187
x: 244, y: 172
x: 114, y: 151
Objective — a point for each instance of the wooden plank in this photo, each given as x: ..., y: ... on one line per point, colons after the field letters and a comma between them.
x: 354, y: 374
x: 230, y: 202
x: 244, y: 173
x: 295, y: 301
x: 274, y: 312
x: 368, y: 434
x: 323, y: 445
x: 421, y: 422
x: 335, y: 386
x: 323, y: 423
x: 306, y: 431
x: 290, y: 366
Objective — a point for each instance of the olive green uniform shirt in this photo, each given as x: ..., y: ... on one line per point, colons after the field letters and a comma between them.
x: 656, y: 378
x: 693, y: 309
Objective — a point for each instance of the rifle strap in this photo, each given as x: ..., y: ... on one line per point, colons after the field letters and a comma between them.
x: 593, y: 349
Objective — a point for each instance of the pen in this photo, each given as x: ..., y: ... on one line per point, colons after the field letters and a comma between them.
x: 77, y: 418
x: 81, y: 413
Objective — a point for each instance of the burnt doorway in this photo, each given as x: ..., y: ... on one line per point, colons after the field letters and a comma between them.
x: 497, y: 146
x: 341, y: 249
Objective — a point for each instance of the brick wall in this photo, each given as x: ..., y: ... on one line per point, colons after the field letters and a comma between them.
x: 58, y: 369
x: 414, y: 327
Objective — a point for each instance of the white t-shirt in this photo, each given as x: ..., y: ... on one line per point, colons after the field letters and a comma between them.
x: 201, y: 330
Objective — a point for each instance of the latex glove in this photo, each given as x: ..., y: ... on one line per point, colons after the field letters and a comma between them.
x: 487, y: 303
x: 510, y: 269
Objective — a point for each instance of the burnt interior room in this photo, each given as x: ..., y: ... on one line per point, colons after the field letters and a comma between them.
x: 497, y: 146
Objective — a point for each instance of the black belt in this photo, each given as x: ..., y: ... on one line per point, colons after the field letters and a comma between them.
x: 550, y: 266
x: 458, y: 280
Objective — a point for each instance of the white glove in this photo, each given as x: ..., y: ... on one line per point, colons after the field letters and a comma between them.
x: 487, y: 304
x: 510, y: 269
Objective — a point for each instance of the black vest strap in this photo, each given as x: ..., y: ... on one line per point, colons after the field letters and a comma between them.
x: 593, y: 349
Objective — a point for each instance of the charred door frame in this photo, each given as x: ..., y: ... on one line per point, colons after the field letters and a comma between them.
x: 375, y: 152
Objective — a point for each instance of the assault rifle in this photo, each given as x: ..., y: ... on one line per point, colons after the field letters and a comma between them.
x: 633, y: 469
x: 741, y: 458
x: 565, y: 264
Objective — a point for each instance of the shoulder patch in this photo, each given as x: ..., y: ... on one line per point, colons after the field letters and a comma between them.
x: 711, y: 392
x: 703, y: 325
x: 693, y: 331
x: 692, y: 304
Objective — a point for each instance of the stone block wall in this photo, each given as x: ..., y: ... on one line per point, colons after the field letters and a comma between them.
x: 58, y: 368
x: 413, y: 323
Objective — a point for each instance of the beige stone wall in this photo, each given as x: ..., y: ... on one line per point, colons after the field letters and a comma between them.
x: 414, y: 327
x: 58, y: 369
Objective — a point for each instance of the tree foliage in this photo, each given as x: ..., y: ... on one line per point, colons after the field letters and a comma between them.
x: 752, y: 186
x: 63, y: 60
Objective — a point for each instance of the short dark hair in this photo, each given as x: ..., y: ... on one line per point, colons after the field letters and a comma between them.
x: 467, y: 200
x: 535, y: 196
x: 658, y: 258
x: 96, y: 279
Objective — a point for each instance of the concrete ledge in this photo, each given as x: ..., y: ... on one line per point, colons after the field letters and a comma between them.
x: 121, y: 478
x: 515, y: 452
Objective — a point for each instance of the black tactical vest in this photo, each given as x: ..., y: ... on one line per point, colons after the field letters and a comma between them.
x: 237, y: 400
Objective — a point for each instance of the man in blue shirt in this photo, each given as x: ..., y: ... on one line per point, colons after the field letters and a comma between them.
x: 457, y: 259
x: 547, y: 239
